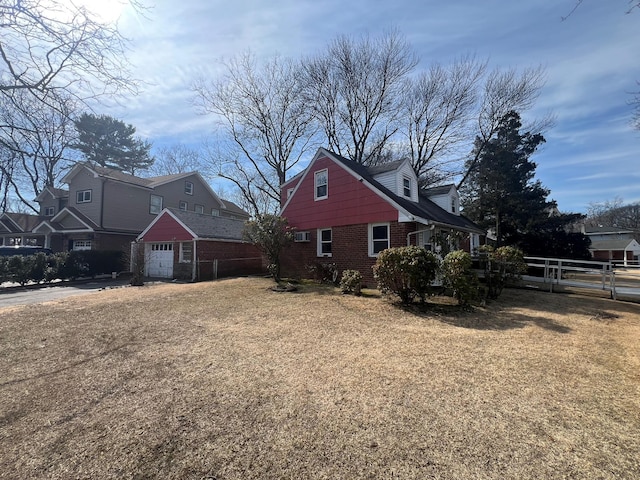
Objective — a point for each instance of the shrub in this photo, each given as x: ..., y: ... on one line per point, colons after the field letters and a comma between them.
x: 458, y: 275
x: 406, y: 272
x: 324, y: 272
x: 502, y: 266
x: 351, y: 282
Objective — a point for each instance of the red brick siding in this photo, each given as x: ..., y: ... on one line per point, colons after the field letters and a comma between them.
x: 350, y: 251
x: 234, y: 258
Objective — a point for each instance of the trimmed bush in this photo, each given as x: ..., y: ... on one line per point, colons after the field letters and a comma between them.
x: 407, y: 272
x: 351, y: 282
x: 503, y: 266
x: 458, y: 275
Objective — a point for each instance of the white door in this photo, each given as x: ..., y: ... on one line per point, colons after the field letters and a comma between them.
x: 159, y: 260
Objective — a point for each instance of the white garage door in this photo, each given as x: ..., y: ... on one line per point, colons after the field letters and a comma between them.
x: 160, y: 260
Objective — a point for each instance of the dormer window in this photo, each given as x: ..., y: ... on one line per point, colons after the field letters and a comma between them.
x: 406, y: 187
x: 321, y: 184
x: 49, y: 211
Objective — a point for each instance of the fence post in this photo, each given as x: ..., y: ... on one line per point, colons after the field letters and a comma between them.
x: 215, y: 268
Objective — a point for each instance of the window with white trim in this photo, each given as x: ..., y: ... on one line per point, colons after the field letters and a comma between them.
x: 81, y: 245
x: 321, y: 179
x: 183, y: 205
x: 454, y: 205
x: 324, y: 242
x: 188, y: 188
x: 215, y: 212
x: 406, y: 187
x: 83, y: 196
x: 155, y: 204
x: 199, y: 208
x: 49, y: 211
x: 289, y: 192
x: 186, y: 252
x: 378, y: 238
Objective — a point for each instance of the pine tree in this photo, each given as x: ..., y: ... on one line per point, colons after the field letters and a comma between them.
x: 108, y: 142
x: 501, y: 193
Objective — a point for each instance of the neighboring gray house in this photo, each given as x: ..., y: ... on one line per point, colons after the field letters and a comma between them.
x: 613, y: 244
x: 105, y: 209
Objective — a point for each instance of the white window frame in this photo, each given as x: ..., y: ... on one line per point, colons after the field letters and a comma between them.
x: 289, y: 192
x: 198, y: 208
x: 319, y: 175
x: 188, y: 187
x: 83, y: 196
x: 215, y: 212
x: 371, y: 239
x: 183, y: 258
x: 154, y: 208
x: 184, y: 206
x: 454, y: 205
x: 406, y: 185
x: 49, y: 211
x: 79, y: 245
x: 321, y: 242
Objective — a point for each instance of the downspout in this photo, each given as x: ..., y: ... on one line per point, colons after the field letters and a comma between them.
x: 194, y: 261
x: 104, y: 181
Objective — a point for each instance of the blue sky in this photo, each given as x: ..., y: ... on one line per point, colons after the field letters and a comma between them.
x: 592, y: 154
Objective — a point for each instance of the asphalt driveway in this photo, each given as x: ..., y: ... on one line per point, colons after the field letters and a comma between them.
x: 32, y: 294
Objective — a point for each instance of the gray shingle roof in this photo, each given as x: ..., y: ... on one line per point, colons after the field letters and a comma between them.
x: 210, y: 227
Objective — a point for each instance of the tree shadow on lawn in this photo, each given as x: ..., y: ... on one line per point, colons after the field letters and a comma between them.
x: 481, y: 317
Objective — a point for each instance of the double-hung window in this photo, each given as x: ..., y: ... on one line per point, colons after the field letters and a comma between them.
x: 188, y: 188
x: 406, y: 187
x: 321, y: 179
x: 378, y: 238
x: 155, y: 204
x: 186, y: 252
x: 324, y: 242
x: 83, y: 196
x: 183, y: 205
x: 199, y: 208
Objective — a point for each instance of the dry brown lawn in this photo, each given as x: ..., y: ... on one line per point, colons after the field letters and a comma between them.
x: 229, y: 380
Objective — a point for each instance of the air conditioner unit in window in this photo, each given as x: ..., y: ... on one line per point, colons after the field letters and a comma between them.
x: 302, y: 237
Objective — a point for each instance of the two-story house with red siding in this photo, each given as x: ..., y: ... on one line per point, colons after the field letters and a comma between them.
x: 104, y: 209
x: 346, y: 213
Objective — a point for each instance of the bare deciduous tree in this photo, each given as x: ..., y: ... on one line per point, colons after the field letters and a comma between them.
x: 174, y: 159
x: 36, y: 138
x: 355, y: 90
x: 55, y: 44
x: 440, y: 104
x: 505, y: 90
x: 262, y: 109
x: 51, y: 52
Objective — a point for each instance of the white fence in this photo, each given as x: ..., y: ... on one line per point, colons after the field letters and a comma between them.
x: 606, y: 276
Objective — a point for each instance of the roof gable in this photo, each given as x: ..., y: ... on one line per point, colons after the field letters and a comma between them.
x: 178, y: 224
x: 423, y: 211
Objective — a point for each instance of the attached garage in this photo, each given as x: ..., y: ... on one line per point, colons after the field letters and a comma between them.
x: 193, y: 246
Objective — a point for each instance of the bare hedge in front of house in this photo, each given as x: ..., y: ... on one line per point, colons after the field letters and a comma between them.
x: 43, y: 268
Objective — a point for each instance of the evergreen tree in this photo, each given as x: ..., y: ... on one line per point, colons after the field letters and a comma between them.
x: 109, y: 142
x: 501, y: 193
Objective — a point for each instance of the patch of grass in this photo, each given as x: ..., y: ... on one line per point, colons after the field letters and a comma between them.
x: 229, y: 380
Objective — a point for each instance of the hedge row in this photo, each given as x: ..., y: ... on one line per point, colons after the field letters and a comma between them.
x: 41, y: 267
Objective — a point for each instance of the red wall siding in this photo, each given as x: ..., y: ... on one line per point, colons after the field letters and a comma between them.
x: 349, y: 202
x: 167, y: 229
x: 350, y: 251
